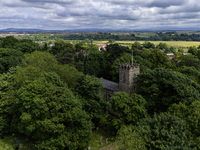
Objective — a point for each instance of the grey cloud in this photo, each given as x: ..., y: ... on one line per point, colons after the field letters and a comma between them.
x: 67, y: 14
x: 166, y: 3
x: 49, y: 1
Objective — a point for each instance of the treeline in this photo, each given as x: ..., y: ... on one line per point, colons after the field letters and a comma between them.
x: 132, y: 36
x: 158, y: 36
x: 52, y: 96
x: 117, y: 36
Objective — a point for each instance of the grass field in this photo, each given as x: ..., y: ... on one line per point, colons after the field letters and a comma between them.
x: 176, y: 44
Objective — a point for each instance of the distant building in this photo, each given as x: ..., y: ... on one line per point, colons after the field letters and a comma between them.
x: 102, y: 46
x: 170, y: 56
x: 126, y: 83
x: 41, y: 44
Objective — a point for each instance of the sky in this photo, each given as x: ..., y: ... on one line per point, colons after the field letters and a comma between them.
x: 100, y: 14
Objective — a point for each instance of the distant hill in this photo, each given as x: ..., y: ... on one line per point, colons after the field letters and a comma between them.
x: 67, y: 30
x: 20, y: 30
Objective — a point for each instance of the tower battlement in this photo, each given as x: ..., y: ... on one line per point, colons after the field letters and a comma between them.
x: 129, y: 66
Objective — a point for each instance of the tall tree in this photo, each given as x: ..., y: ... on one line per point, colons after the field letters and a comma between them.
x: 89, y: 88
x: 163, y: 87
x: 164, y: 131
x: 45, y: 110
x: 127, y: 110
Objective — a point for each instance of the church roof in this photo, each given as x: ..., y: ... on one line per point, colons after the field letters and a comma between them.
x: 110, y: 85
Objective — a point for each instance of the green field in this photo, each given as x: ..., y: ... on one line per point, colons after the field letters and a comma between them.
x: 176, y: 44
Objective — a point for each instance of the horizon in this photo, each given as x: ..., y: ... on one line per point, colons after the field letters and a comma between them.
x: 94, y: 30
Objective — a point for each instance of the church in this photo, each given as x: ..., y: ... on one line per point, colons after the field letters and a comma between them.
x: 126, y: 83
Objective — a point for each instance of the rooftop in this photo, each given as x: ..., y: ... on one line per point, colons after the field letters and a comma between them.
x: 110, y: 85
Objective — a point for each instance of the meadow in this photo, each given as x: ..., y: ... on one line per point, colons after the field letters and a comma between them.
x: 177, y: 44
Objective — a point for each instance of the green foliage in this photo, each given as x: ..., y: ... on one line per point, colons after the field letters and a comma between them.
x: 127, y: 110
x: 26, y: 47
x: 180, y: 50
x: 159, y: 59
x: 190, y: 60
x: 111, y: 41
x: 46, y: 110
x: 191, y: 115
x: 192, y: 50
x: 9, y: 58
x: 162, y: 46
x: 129, y: 139
x: 9, y: 42
x: 136, y: 45
x: 59, y: 46
x: 45, y: 62
x: 89, y: 88
x: 5, y: 146
x: 190, y: 72
x: 125, y: 58
x: 115, y: 50
x: 95, y: 64
x: 6, y: 85
x: 171, y: 50
x: 164, y: 131
x: 66, y: 56
x: 198, y: 53
x: 148, y: 45
x: 163, y: 87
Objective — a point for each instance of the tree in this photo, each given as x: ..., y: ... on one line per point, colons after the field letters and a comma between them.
x: 164, y: 131
x: 125, y: 58
x: 192, y: 50
x: 9, y: 58
x: 9, y: 42
x: 136, y: 45
x: 148, y: 45
x: 111, y: 41
x: 46, y: 62
x: 189, y: 60
x: 162, y: 46
x: 26, y: 47
x: 127, y: 110
x: 181, y: 50
x: 163, y: 87
x: 198, y: 54
x: 129, y: 139
x: 191, y: 115
x: 66, y: 56
x: 89, y: 88
x: 190, y: 72
x: 44, y: 109
x: 60, y: 45
x: 6, y: 85
x: 171, y: 50
x: 95, y: 64
x: 159, y: 59
x: 115, y: 50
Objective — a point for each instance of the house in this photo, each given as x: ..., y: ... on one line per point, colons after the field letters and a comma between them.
x: 170, y: 56
x: 127, y: 73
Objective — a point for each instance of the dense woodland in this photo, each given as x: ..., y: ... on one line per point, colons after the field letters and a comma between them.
x: 52, y: 95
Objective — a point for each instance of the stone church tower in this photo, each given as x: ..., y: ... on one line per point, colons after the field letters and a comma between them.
x: 126, y: 74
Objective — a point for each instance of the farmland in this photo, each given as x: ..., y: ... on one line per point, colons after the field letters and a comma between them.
x: 177, y: 44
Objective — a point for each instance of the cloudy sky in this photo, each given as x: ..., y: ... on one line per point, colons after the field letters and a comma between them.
x: 102, y: 14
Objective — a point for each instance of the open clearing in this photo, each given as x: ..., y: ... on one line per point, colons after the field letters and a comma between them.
x: 176, y: 44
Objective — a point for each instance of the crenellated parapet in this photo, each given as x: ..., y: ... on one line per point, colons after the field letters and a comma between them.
x: 129, y: 66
